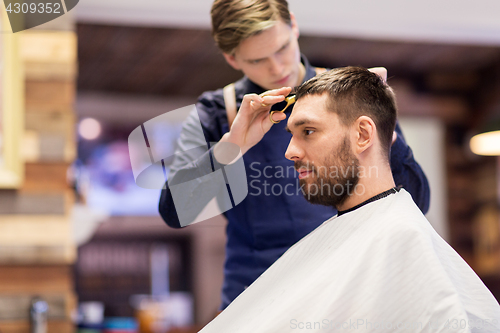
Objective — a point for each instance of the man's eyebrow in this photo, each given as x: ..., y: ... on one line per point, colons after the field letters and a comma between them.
x: 298, y: 124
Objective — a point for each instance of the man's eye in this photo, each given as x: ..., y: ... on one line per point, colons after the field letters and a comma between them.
x: 308, y: 132
x: 255, y: 62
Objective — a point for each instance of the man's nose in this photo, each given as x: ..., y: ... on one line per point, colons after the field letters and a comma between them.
x: 294, y: 152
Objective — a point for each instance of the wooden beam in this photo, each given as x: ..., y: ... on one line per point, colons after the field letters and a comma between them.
x: 18, y: 202
x: 50, y: 96
x: 448, y: 109
x: 45, y: 177
x: 33, y: 279
x: 49, y: 47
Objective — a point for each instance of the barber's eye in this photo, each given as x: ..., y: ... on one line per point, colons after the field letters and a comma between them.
x: 283, y: 48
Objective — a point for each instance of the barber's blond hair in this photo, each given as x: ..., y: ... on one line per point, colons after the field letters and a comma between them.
x: 235, y: 20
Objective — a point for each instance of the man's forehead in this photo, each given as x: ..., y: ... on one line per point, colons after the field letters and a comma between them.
x: 307, y: 110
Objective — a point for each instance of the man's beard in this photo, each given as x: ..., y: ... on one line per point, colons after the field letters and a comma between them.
x: 335, y: 181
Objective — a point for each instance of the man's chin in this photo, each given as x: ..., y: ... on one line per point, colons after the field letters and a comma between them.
x: 322, y: 194
x: 306, y: 182
x: 325, y: 200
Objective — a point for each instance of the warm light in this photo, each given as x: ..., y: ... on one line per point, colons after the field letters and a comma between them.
x: 486, y: 143
x: 89, y: 128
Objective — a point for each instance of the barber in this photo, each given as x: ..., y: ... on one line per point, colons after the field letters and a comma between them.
x: 260, y: 39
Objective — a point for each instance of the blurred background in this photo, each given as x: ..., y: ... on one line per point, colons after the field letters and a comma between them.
x: 79, y: 234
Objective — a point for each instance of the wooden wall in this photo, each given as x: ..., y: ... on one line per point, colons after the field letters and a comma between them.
x: 36, y: 246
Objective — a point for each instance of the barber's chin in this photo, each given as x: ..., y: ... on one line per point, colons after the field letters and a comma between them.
x: 283, y: 82
x: 273, y: 86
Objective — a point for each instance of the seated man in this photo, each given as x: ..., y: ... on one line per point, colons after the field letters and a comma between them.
x: 378, y: 265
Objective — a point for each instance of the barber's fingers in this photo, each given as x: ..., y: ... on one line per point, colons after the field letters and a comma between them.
x: 380, y: 71
x: 278, y: 116
x: 252, y: 107
x: 284, y: 91
x: 275, y: 92
x: 255, y: 109
x: 265, y: 102
x: 253, y: 104
x: 265, y: 119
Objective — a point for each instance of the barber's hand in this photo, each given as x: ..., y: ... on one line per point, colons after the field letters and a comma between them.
x: 252, y: 120
x: 380, y: 71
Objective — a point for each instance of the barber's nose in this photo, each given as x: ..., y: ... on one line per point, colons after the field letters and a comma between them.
x: 294, y: 152
x: 275, y: 65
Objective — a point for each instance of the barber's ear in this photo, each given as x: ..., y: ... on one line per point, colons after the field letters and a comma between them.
x: 365, y: 133
x: 231, y: 60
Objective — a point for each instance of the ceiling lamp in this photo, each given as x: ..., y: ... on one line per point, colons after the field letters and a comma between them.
x: 488, y: 141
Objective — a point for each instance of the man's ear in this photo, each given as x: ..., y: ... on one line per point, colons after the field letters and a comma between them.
x: 231, y: 60
x: 295, y: 27
x: 366, y: 131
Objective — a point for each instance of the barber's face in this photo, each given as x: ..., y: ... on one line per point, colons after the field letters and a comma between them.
x: 321, y: 149
x: 271, y: 58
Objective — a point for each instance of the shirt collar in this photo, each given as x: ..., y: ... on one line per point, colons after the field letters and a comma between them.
x: 379, y: 196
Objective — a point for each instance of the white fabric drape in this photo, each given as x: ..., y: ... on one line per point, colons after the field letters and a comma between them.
x: 379, y: 268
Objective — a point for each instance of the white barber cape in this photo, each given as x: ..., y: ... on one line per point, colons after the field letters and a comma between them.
x: 379, y: 268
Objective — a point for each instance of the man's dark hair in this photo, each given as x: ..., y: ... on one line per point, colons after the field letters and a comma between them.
x: 354, y: 92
